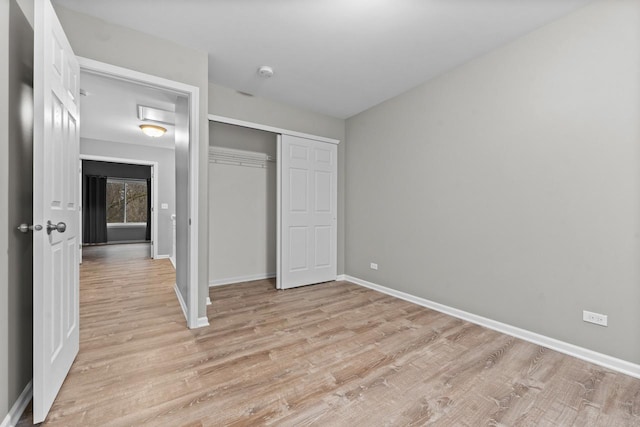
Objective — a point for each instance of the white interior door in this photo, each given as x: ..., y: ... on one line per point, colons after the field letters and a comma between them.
x: 307, y: 198
x: 55, y: 200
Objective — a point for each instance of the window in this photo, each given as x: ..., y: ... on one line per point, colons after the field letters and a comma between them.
x: 126, y: 201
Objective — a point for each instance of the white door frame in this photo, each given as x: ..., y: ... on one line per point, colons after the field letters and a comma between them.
x: 154, y: 191
x: 279, y: 131
x: 193, y: 94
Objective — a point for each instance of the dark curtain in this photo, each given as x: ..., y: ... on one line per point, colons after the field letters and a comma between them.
x: 148, y: 233
x: 94, y: 227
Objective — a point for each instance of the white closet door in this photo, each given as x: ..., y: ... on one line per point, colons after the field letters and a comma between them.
x: 307, y: 198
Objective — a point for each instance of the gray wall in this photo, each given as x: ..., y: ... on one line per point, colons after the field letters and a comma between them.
x: 96, y: 39
x: 510, y: 186
x: 242, y: 207
x: 229, y: 103
x: 16, y: 158
x: 165, y: 179
x: 125, y: 234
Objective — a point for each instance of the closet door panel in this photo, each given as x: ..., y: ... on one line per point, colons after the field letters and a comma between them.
x: 308, y: 214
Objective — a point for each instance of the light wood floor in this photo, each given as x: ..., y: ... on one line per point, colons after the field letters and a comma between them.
x: 333, y: 354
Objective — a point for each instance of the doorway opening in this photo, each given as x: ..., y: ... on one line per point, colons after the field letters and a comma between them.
x: 242, y: 204
x: 116, y: 103
x: 119, y: 202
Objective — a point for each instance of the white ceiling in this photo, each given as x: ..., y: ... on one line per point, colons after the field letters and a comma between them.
x: 110, y: 113
x: 337, y: 57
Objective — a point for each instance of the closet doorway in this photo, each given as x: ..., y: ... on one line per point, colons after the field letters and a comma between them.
x: 272, y: 205
x: 242, y: 204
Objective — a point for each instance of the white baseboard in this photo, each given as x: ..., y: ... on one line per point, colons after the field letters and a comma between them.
x: 202, y: 321
x: 173, y: 261
x: 18, y: 407
x: 613, y: 363
x: 181, y: 301
x: 162, y: 256
x: 341, y: 277
x: 208, y: 300
x: 239, y: 279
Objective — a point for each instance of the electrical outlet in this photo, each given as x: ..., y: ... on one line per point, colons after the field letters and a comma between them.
x: 373, y: 266
x: 597, y: 318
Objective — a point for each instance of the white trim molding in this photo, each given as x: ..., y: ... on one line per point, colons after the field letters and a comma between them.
x: 341, y: 277
x: 610, y: 362
x: 252, y: 125
x: 202, y: 322
x: 163, y: 257
x: 240, y: 279
x: 18, y: 407
x: 208, y: 301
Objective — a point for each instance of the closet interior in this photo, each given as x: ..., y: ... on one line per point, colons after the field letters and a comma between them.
x: 242, y: 204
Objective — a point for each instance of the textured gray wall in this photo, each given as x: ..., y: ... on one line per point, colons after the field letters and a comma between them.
x: 16, y: 169
x: 510, y: 187
x: 229, y: 103
x: 96, y: 39
x: 165, y: 177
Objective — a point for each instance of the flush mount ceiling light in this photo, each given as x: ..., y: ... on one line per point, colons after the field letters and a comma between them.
x: 265, y: 71
x: 153, y: 130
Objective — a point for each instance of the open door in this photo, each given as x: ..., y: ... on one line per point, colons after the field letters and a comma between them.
x: 55, y: 209
x: 307, y: 211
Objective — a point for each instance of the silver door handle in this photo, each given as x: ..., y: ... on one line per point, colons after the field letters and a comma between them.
x: 59, y: 227
x: 25, y: 228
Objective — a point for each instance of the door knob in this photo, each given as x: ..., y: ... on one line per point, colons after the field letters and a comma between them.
x: 59, y: 227
x: 24, y: 228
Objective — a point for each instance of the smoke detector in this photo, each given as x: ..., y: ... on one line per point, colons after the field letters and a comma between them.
x: 265, y: 71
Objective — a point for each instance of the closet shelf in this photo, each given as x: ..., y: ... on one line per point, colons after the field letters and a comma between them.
x: 232, y: 156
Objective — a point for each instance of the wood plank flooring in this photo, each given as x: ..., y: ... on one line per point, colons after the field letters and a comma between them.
x: 334, y: 354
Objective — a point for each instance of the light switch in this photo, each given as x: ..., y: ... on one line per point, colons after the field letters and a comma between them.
x: 164, y: 206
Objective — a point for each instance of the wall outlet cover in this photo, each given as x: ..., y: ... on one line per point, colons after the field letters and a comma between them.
x: 596, y: 318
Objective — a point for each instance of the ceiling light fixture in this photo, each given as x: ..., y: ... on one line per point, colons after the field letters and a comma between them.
x: 153, y: 130
x: 265, y: 71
